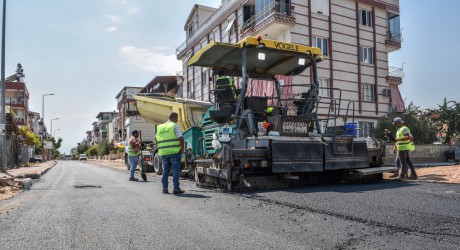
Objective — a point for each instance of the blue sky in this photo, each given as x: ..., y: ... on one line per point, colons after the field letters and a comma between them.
x: 85, y: 51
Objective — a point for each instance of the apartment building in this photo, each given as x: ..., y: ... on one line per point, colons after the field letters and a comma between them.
x: 126, y: 106
x: 102, y: 125
x: 161, y: 84
x: 17, y: 97
x: 355, y: 37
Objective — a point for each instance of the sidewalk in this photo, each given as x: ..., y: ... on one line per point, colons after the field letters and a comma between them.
x: 15, y: 180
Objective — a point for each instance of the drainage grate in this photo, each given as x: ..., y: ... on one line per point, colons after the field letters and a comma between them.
x: 87, y: 186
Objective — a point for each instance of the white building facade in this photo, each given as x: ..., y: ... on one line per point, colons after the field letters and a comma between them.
x: 355, y: 37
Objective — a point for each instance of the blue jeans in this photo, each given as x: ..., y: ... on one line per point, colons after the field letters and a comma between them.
x: 132, y: 164
x: 168, y: 161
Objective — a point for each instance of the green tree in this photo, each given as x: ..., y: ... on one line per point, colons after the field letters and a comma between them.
x: 56, y: 145
x: 30, y: 138
x: 104, y: 147
x: 447, y: 114
x: 93, y: 151
x: 415, y: 119
x: 82, y: 147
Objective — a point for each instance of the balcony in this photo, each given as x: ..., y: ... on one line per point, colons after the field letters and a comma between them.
x: 395, y: 75
x: 393, y: 40
x: 20, y: 121
x: 273, y: 20
x: 208, y: 26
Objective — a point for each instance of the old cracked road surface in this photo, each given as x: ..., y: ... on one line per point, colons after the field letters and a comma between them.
x: 83, y: 206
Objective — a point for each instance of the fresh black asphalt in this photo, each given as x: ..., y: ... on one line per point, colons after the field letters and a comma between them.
x: 83, y: 206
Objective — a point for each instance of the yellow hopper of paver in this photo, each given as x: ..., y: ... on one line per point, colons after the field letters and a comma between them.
x: 155, y: 108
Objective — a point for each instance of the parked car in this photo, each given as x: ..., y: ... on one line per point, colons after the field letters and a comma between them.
x: 82, y: 157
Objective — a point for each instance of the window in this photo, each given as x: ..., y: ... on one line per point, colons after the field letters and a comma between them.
x: 247, y: 12
x: 394, y: 29
x: 216, y: 34
x: 190, y: 30
x: 204, y: 78
x: 320, y: 6
x: 321, y: 43
x: 203, y: 43
x: 366, y: 55
x: 367, y: 92
x: 365, y: 17
x: 230, y: 26
x: 366, y: 129
x: 324, y: 86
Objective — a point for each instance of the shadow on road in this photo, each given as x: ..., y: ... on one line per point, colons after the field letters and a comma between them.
x: 434, y: 177
x: 353, y: 187
x: 338, y: 188
x: 199, y: 196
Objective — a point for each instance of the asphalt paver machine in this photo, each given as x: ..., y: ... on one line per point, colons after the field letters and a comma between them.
x: 275, y: 139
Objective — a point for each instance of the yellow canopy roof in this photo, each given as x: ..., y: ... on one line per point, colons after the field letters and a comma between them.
x: 281, y: 58
x: 156, y: 108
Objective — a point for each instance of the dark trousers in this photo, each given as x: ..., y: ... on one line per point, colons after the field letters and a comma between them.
x: 405, y: 160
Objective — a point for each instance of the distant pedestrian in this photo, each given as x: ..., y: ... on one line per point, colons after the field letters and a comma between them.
x: 404, y: 144
x: 133, y: 153
x: 170, y: 147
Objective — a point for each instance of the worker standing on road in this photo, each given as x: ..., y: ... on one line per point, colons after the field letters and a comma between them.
x: 404, y: 144
x: 170, y: 147
x: 134, y: 144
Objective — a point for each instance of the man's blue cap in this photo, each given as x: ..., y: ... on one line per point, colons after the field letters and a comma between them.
x: 398, y: 119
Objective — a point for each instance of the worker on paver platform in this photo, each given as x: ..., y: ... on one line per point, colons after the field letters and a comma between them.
x: 226, y: 84
x: 404, y: 144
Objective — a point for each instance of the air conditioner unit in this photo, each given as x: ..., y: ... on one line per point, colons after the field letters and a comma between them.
x: 386, y: 92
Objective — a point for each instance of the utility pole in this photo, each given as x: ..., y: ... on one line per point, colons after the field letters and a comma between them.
x: 3, y: 118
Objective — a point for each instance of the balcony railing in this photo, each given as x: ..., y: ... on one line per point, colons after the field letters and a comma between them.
x: 271, y: 9
x: 396, y: 72
x: 395, y: 36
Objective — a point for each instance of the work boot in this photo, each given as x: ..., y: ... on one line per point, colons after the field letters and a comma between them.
x: 133, y: 179
x: 165, y: 191
x: 413, y: 176
x: 178, y: 191
x: 402, y: 177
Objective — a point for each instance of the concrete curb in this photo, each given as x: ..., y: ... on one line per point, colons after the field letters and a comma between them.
x: 38, y: 174
x: 26, y: 183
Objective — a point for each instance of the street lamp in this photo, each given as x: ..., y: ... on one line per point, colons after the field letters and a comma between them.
x: 3, y: 161
x: 43, y: 107
x: 51, y: 128
x: 54, y: 132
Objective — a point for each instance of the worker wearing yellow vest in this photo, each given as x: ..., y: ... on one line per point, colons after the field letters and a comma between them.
x: 170, y: 145
x: 133, y: 153
x: 404, y: 144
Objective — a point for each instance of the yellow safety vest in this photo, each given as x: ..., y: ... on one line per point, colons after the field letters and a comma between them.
x: 404, y: 145
x: 131, y: 151
x: 167, y: 141
x: 225, y: 81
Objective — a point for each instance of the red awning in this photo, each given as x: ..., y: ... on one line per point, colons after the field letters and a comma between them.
x: 397, y: 102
